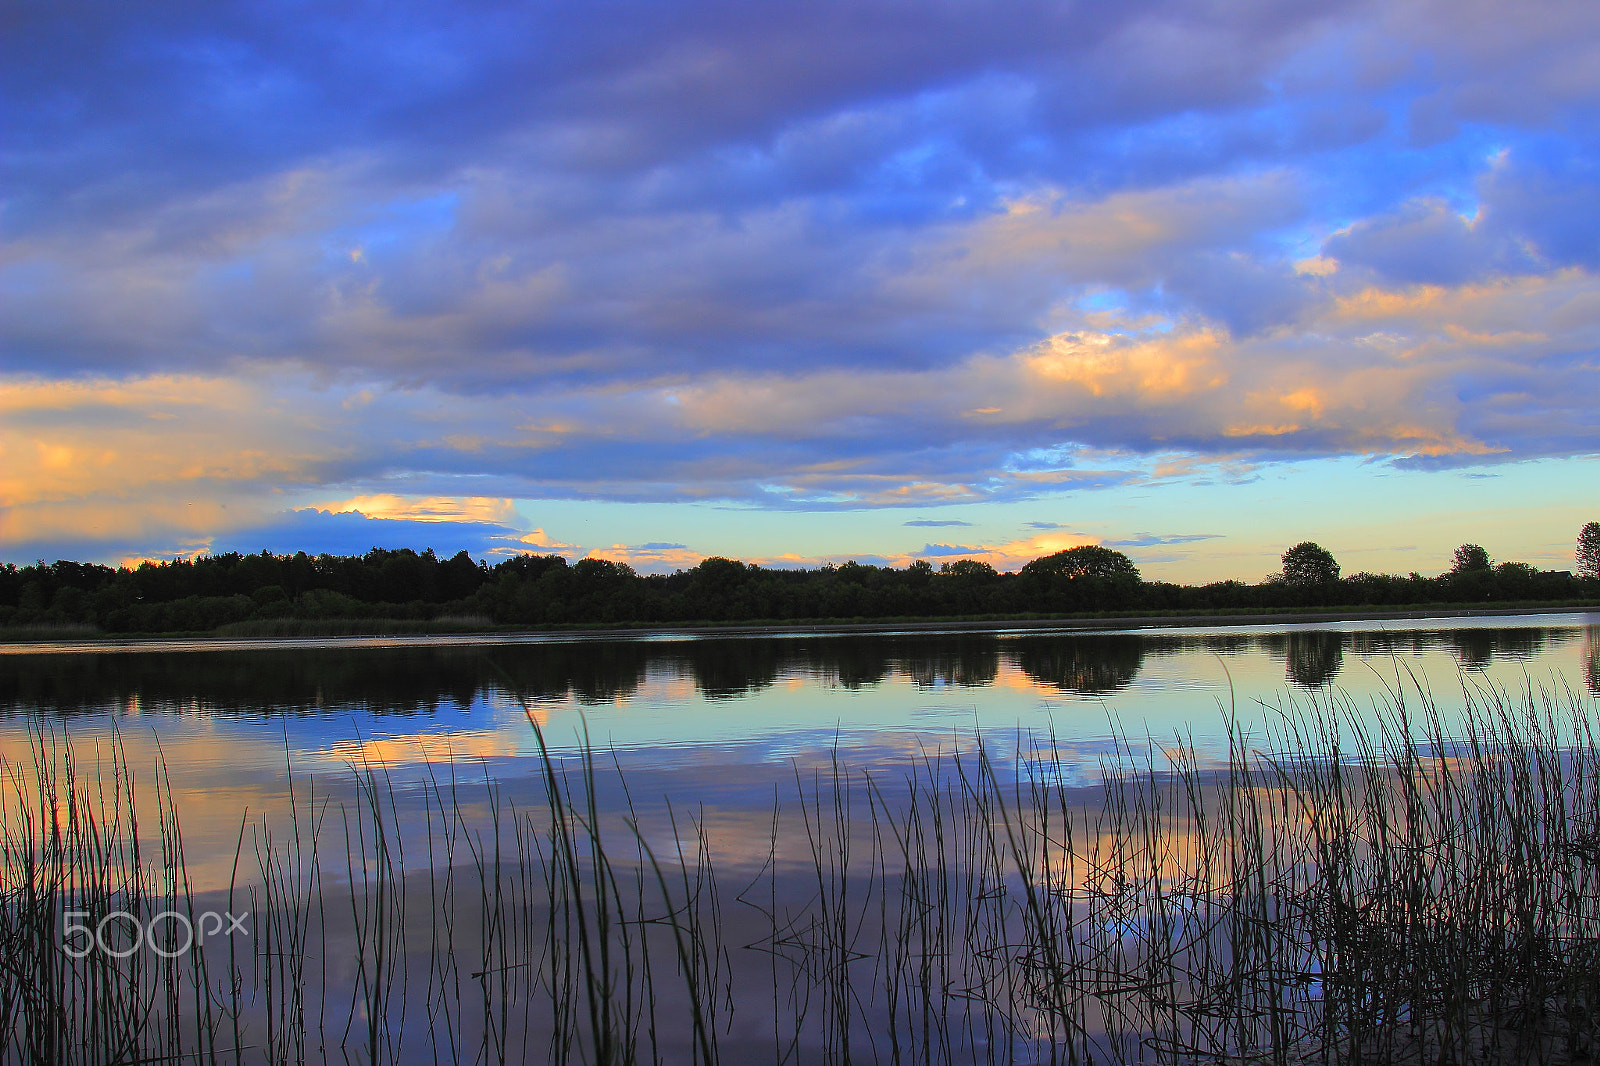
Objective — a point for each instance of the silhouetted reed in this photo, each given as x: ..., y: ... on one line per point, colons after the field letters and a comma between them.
x: 1414, y: 890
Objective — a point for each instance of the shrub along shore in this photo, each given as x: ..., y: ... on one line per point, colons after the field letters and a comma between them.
x: 404, y: 590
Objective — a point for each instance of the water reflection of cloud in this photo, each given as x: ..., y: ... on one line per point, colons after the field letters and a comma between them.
x: 678, y: 693
x: 417, y: 749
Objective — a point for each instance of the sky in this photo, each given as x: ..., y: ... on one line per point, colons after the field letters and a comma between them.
x: 800, y: 282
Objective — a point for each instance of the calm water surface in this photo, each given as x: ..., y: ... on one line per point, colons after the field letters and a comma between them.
x: 718, y: 721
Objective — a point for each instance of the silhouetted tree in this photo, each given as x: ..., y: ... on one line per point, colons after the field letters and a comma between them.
x: 1588, y: 553
x: 1086, y: 560
x: 1469, y: 557
x: 1308, y: 563
x: 968, y: 569
x: 1085, y: 578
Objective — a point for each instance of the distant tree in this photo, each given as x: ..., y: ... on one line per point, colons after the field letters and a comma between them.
x: 594, y: 570
x: 970, y: 569
x: 1085, y: 578
x: 1588, y: 554
x: 1086, y: 560
x: 1515, y: 577
x: 718, y: 576
x: 1309, y: 564
x: 1469, y: 557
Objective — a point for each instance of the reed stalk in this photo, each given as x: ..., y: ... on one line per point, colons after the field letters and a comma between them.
x: 1331, y: 888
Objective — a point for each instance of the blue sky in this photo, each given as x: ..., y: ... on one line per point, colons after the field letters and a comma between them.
x: 803, y: 281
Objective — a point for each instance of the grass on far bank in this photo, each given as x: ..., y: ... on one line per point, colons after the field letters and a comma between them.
x: 292, y: 628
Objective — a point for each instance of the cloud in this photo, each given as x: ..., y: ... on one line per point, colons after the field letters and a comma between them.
x: 1484, y: 371
x: 1011, y: 555
x: 232, y: 197
x: 312, y: 531
x: 498, y: 511
x: 952, y: 549
x: 930, y: 523
x: 824, y: 256
x: 352, y: 533
x: 651, y: 558
x: 534, y: 542
x: 87, y: 459
x: 1427, y: 242
x: 1145, y: 540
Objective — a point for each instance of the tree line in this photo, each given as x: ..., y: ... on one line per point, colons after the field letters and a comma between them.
x: 209, y: 592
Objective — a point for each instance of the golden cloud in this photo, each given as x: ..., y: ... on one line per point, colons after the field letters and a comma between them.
x: 496, y: 510
x: 1154, y: 368
x: 1053, y: 226
x: 651, y: 557
x: 1364, y: 371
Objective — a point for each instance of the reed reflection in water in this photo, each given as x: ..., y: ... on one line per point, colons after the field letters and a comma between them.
x: 1428, y: 892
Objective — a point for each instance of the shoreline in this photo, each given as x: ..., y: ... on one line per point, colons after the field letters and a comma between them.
x: 86, y: 644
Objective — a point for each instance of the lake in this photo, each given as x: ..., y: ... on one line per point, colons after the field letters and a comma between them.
x: 808, y: 801
x: 705, y: 719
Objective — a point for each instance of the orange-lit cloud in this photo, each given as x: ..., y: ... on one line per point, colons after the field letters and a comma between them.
x: 653, y: 558
x: 535, y: 542
x: 498, y: 510
x: 101, y: 458
x: 1007, y: 556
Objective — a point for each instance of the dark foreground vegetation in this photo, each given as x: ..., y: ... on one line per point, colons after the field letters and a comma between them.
x: 1418, y: 894
x: 268, y: 595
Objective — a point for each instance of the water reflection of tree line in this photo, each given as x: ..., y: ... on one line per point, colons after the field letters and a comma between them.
x: 960, y: 660
x: 382, y: 680
x: 424, y: 679
x: 1088, y: 665
x: 1475, y: 649
x: 1312, y: 660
